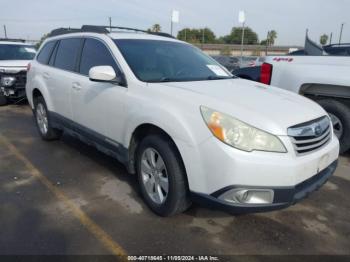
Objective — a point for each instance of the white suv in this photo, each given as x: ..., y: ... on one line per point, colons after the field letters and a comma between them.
x: 180, y: 121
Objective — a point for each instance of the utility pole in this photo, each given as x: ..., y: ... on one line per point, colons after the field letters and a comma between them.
x: 267, y: 42
x: 203, y: 37
x: 5, y: 32
x: 241, y: 20
x: 110, y: 23
x: 242, y: 42
x: 341, y: 32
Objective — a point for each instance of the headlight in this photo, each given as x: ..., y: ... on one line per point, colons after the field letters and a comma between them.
x: 240, y: 135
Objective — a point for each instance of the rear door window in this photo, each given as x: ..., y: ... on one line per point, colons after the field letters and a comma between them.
x: 44, y: 55
x: 67, y: 54
x: 95, y: 53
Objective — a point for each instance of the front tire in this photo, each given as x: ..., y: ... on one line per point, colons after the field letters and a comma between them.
x: 162, y: 176
x: 43, y: 121
x: 3, y: 100
x: 340, y: 116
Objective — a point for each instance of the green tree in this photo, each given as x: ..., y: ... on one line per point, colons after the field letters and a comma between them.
x: 203, y: 35
x: 155, y: 28
x: 42, y: 39
x: 323, y: 39
x: 235, y: 37
x: 271, y: 37
x: 263, y: 42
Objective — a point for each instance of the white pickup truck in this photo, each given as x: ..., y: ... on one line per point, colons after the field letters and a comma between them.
x: 324, y: 79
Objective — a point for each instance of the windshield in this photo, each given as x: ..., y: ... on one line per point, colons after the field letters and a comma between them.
x: 17, y: 52
x: 166, y: 61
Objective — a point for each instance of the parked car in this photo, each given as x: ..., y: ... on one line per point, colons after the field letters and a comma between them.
x: 14, y: 58
x: 259, y: 61
x: 230, y: 62
x: 333, y: 50
x: 337, y: 49
x: 247, y: 61
x: 324, y: 79
x: 180, y: 121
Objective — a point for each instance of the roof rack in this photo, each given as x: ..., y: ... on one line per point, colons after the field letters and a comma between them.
x: 101, y: 29
x: 13, y: 40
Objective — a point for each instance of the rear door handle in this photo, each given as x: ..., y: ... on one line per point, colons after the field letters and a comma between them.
x: 76, y: 86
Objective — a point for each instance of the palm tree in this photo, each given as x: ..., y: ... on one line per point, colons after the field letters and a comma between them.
x: 156, y: 28
x: 271, y: 37
x: 323, y: 39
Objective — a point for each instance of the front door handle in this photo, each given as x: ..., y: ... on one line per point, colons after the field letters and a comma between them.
x: 76, y: 86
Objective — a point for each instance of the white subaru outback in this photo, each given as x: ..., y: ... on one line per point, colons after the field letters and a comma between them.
x: 180, y: 121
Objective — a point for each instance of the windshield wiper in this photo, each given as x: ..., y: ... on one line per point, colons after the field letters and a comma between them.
x: 218, y: 77
x: 166, y: 79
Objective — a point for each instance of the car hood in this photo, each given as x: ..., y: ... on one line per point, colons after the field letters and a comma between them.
x: 13, y: 66
x: 265, y: 107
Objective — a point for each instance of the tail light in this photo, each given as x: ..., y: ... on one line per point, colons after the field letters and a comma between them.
x: 28, y: 67
x: 266, y: 73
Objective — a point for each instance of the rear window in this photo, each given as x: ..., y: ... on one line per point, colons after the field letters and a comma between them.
x: 45, y: 52
x: 67, y: 53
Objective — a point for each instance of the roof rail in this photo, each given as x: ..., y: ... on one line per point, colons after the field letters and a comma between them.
x: 63, y: 31
x: 341, y: 44
x: 101, y: 29
x: 13, y: 40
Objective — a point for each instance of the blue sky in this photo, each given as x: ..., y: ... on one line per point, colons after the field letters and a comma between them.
x: 31, y: 19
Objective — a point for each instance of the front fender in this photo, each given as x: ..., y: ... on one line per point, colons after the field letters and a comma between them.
x: 186, y: 131
x: 176, y: 128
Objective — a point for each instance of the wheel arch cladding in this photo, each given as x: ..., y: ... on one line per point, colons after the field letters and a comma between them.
x: 141, y: 132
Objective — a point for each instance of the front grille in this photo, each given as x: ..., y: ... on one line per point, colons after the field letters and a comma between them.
x: 21, y: 78
x: 311, y: 136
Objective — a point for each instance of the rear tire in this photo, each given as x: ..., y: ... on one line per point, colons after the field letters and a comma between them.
x: 3, y: 100
x: 340, y: 115
x: 43, y: 121
x: 157, y: 156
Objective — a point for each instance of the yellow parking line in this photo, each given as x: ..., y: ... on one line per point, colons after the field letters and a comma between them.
x: 91, y: 226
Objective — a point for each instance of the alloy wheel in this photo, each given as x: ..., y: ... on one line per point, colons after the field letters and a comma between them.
x: 41, y: 118
x: 154, y: 176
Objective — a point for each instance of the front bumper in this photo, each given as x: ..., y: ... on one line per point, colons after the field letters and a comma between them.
x: 13, y: 93
x: 16, y: 89
x: 283, y: 196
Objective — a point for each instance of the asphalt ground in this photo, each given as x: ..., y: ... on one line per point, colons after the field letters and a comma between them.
x: 66, y: 198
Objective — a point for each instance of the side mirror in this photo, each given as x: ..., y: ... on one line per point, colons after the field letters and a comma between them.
x: 106, y: 74
x: 102, y: 74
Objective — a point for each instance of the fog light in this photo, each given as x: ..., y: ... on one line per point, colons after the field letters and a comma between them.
x: 7, y: 81
x: 248, y: 196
